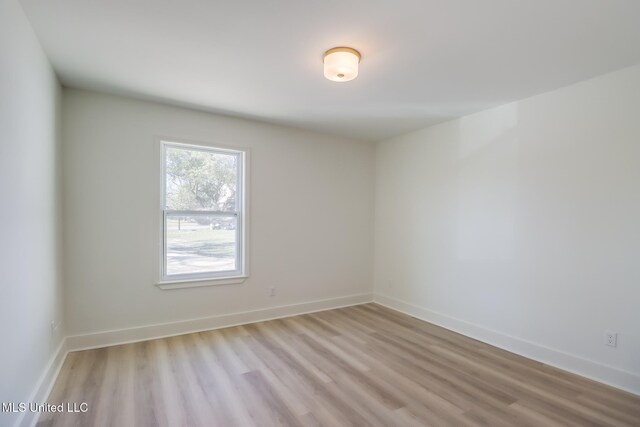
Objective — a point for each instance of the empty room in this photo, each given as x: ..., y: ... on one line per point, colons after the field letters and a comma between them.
x: 319, y: 213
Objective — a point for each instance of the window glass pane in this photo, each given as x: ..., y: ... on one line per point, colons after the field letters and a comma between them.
x: 200, y: 180
x: 199, y: 244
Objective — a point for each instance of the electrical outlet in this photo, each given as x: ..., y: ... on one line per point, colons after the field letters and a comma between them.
x: 611, y: 338
x: 54, y: 326
x: 272, y: 292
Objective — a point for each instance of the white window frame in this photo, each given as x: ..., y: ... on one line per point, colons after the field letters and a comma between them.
x: 240, y: 213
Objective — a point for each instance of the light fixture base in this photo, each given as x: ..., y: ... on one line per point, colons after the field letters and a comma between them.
x: 342, y: 49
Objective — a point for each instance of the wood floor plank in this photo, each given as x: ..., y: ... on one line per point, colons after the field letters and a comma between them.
x: 364, y: 365
x: 335, y: 399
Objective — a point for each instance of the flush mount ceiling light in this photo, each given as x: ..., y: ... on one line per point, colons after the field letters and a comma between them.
x: 341, y: 64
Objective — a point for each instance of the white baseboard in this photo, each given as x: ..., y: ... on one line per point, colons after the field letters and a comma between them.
x: 627, y: 381
x: 148, y: 332
x: 44, y: 385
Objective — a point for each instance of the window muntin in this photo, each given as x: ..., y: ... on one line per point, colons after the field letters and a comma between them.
x: 202, y: 212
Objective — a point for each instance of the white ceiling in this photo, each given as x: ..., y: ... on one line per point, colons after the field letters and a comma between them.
x: 423, y: 61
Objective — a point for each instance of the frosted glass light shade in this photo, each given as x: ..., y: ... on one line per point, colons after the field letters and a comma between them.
x: 341, y: 64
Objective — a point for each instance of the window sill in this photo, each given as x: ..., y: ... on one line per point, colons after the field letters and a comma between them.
x: 198, y: 283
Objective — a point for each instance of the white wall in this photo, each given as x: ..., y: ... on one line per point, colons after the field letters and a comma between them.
x: 311, y: 214
x: 30, y: 289
x: 520, y: 225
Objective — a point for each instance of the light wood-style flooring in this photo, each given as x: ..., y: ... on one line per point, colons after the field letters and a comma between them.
x: 361, y: 366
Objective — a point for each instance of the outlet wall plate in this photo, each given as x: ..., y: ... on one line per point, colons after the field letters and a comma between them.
x: 611, y: 338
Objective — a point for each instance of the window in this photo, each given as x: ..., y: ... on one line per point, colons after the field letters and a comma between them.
x: 202, y: 213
